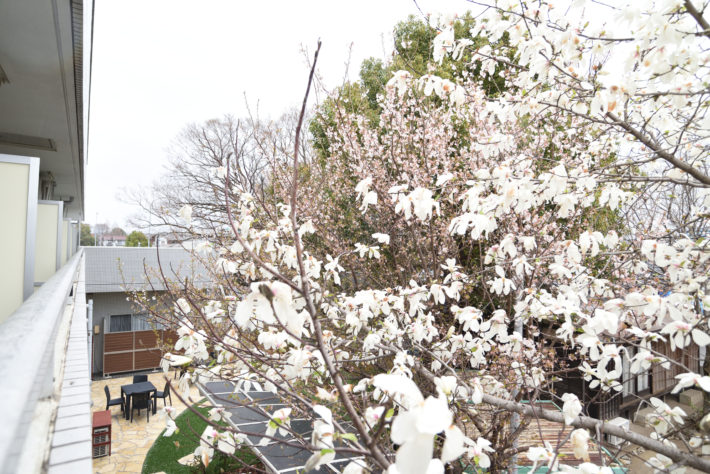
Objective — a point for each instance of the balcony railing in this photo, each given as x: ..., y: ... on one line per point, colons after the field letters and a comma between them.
x: 45, y: 378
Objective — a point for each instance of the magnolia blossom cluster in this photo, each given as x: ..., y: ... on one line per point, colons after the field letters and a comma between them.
x: 484, y: 244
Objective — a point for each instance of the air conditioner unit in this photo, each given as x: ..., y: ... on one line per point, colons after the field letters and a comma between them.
x: 622, y: 423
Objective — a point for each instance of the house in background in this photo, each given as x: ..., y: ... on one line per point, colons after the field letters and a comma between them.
x: 635, y: 389
x: 112, y: 240
x: 124, y: 338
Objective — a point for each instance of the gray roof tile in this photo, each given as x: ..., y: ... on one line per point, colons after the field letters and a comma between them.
x: 116, y: 269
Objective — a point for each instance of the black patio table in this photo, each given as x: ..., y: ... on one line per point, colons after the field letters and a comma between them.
x: 133, y: 389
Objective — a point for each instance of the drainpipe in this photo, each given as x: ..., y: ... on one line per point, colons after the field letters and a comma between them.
x: 90, y: 312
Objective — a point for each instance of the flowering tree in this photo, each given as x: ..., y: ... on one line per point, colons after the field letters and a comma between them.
x: 502, y: 229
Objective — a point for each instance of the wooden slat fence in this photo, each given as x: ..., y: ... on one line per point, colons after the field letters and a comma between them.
x: 135, y: 350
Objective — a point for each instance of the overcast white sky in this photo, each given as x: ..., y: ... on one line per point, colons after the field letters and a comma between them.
x: 159, y: 65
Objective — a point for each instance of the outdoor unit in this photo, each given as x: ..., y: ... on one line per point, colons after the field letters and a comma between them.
x: 101, y: 434
x: 101, y: 441
x: 622, y: 423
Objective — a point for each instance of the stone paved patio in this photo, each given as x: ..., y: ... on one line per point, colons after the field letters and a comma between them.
x: 131, y: 441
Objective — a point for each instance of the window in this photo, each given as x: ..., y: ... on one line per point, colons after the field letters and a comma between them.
x: 642, y: 381
x: 628, y: 381
x: 120, y: 323
x: 131, y: 322
x: 141, y: 323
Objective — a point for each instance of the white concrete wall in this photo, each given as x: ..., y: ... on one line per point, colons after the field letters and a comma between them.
x: 18, y: 206
x: 49, y: 221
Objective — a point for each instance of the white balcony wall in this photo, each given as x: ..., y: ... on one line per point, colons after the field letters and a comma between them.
x: 18, y: 207
x: 66, y: 240
x: 48, y: 247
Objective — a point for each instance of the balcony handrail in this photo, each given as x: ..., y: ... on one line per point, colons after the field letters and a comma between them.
x: 27, y: 345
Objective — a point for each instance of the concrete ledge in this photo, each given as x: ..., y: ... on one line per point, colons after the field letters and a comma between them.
x: 76, y: 421
x: 71, y: 442
x: 84, y: 465
x: 73, y: 410
x: 692, y: 398
x: 80, y: 399
x: 70, y: 452
x: 75, y: 435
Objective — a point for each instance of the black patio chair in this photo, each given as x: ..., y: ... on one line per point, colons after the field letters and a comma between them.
x: 164, y: 394
x: 140, y: 378
x: 113, y: 402
x: 140, y: 401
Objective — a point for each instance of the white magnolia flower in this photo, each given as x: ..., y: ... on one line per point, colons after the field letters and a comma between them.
x: 679, y: 334
x: 662, y: 463
x: 477, y: 395
x: 477, y: 452
x: 322, y: 439
x: 205, y: 451
x: 443, y: 43
x: 183, y: 305
x: 423, y: 203
x: 170, y: 427
x: 399, y: 81
x: 445, y: 386
x: 501, y: 286
x: 369, y: 198
x: 217, y: 414
x: 306, y: 228
x: 356, y: 467
x: 228, y: 441
x: 689, y: 379
x: 220, y: 172
x: 416, y: 425
x: 381, y: 238
x: 442, y: 179
x: 373, y: 415
x: 371, y: 251
x: 454, y: 444
x: 173, y: 360
x: 333, y: 268
x: 695, y: 442
x: 580, y: 444
x: 205, y: 454
x: 363, y: 187
x: 280, y: 423
x: 185, y: 213
x: 414, y: 431
x: 539, y: 454
x: 571, y: 408
x: 400, y: 387
x: 323, y: 394
x: 674, y: 415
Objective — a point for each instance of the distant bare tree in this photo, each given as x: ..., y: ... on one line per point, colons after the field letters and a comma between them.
x: 256, y: 151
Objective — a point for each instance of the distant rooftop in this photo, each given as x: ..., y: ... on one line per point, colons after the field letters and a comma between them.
x: 117, y: 269
x: 113, y: 237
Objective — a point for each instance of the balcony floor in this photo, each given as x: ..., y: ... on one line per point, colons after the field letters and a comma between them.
x: 131, y: 441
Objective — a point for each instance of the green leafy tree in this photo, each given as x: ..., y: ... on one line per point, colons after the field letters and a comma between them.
x: 86, y: 238
x: 118, y: 231
x: 136, y: 239
x: 413, y: 44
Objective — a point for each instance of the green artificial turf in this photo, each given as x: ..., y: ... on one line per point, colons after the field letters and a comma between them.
x: 163, y: 455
